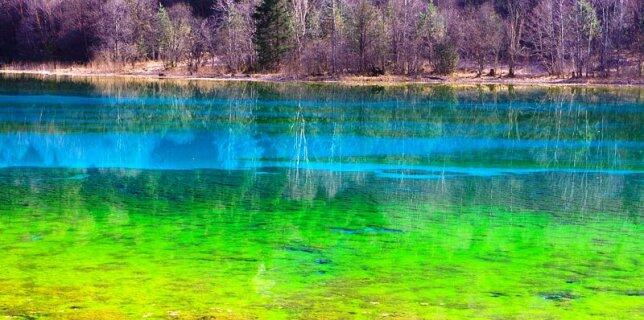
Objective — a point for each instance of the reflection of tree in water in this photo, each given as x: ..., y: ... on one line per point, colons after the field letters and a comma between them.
x: 567, y: 196
x: 333, y: 179
x: 300, y: 172
x: 241, y: 129
x: 541, y: 127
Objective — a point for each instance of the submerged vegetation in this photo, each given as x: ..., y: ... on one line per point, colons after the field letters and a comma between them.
x: 242, y: 245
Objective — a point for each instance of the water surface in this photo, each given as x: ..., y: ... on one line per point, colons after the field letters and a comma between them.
x: 198, y: 200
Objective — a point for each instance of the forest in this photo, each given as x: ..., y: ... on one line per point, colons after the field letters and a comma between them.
x: 562, y: 38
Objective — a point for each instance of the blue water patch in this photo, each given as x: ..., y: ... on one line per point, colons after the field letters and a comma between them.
x: 421, y: 133
x: 239, y: 149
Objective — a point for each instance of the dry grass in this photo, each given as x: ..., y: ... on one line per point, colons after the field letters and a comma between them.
x: 154, y: 69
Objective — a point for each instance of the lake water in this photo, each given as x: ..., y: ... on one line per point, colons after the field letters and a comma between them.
x: 234, y: 200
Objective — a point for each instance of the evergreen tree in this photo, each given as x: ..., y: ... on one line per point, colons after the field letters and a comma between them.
x: 446, y: 58
x: 274, y: 34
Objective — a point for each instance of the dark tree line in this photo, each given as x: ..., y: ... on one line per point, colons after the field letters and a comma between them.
x: 322, y: 37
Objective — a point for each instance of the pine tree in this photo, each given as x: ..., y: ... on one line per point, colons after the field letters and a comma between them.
x: 274, y: 33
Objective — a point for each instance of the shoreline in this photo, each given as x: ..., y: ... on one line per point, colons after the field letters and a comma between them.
x: 457, y: 80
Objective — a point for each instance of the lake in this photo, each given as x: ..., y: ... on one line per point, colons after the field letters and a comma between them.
x: 243, y: 200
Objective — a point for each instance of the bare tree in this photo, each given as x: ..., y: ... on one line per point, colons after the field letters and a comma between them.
x: 483, y: 27
x: 616, y: 18
x: 584, y: 29
x: 405, y: 34
x: 198, y: 43
x: 116, y: 32
x: 515, y: 17
x: 316, y: 55
x: 235, y: 35
x: 301, y: 11
x: 77, y: 32
x: 174, y: 28
x: 366, y: 36
x: 37, y: 29
x: 144, y: 23
x: 545, y: 33
x: 328, y: 36
x: 433, y: 30
x: 336, y: 30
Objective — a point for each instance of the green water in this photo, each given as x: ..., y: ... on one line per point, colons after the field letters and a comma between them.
x: 197, y: 200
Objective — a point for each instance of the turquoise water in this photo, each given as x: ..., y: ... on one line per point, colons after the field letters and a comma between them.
x: 187, y: 199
